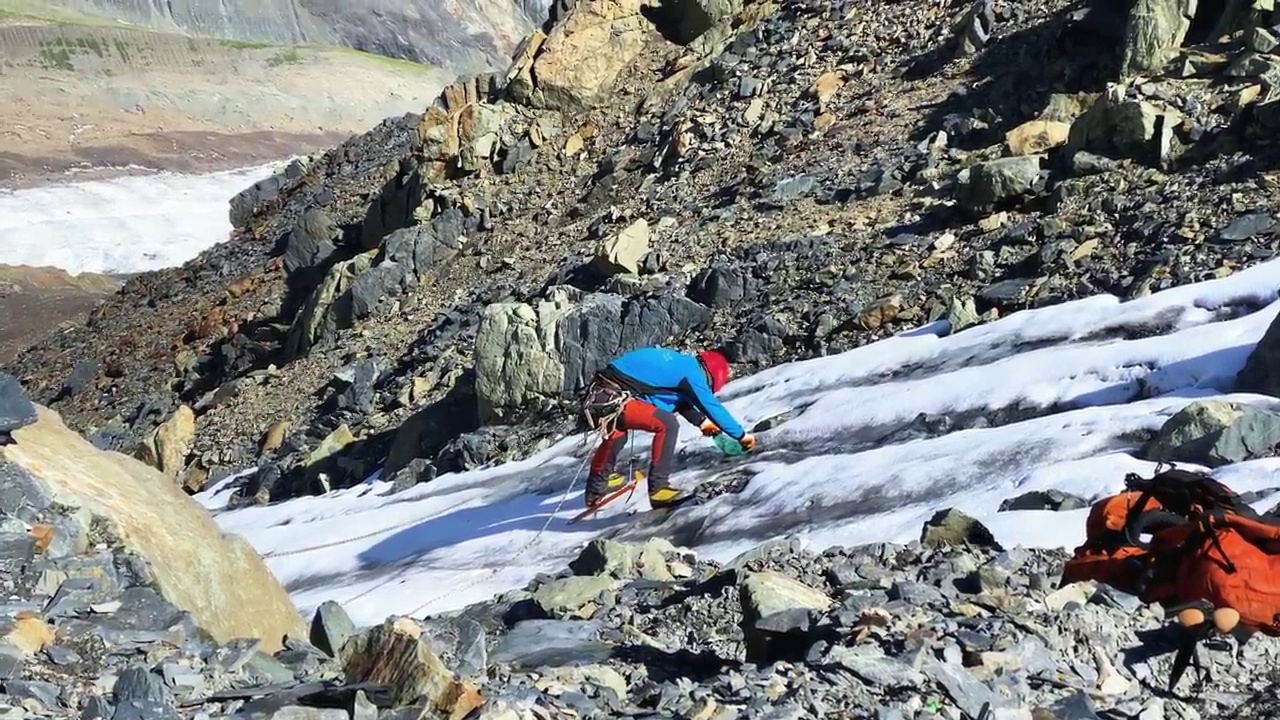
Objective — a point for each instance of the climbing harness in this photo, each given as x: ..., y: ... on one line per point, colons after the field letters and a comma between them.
x: 602, y: 405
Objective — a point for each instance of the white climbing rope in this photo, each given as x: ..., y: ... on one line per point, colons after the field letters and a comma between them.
x: 534, y: 541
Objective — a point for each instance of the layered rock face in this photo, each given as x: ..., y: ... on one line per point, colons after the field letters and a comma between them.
x: 471, y: 37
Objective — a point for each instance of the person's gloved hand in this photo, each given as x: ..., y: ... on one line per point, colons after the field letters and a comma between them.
x: 709, y: 428
x: 748, y: 442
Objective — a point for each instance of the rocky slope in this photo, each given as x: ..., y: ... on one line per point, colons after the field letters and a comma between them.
x: 428, y: 289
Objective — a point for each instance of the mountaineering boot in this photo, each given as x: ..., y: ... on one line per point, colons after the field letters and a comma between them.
x: 664, y: 497
x: 599, y: 488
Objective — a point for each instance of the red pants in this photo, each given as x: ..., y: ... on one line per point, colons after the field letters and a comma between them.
x: 638, y: 415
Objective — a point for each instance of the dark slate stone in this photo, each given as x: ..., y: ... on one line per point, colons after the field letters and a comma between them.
x: 1006, y: 293
x: 605, y: 326
x: 418, y: 471
x: 97, y: 707
x: 331, y: 627
x: 553, y: 643
x: 16, y: 411
x: 141, y: 695
x: 310, y: 243
x: 1247, y: 226
x: 47, y: 694
x: 143, y: 609
x: 721, y: 286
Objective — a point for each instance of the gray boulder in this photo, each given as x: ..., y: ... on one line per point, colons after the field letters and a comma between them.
x: 990, y: 183
x: 1116, y: 126
x: 777, y: 615
x: 525, y: 353
x: 1155, y: 31
x: 16, y: 411
x: 1215, y: 433
x: 1261, y: 372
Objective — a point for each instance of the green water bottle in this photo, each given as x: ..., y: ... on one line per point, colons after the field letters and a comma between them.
x: 728, y: 445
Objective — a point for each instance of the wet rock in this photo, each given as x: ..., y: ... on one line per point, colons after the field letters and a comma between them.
x: 553, y: 643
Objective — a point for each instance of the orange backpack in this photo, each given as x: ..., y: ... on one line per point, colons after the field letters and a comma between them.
x: 1207, y: 552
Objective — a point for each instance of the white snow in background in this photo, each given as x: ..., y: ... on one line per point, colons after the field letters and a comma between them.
x: 123, y: 225
x: 822, y: 475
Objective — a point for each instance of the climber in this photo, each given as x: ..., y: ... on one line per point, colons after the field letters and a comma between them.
x: 642, y: 390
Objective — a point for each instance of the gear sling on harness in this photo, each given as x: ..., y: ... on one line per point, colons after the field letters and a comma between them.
x: 603, y: 404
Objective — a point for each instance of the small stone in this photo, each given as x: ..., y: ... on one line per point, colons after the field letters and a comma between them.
x: 1077, y: 593
x: 1037, y: 136
x: 1054, y: 500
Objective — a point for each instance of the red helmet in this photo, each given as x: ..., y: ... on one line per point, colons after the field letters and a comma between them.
x: 717, y: 366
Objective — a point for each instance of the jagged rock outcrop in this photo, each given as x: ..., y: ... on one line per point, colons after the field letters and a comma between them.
x: 220, y: 579
x: 525, y: 353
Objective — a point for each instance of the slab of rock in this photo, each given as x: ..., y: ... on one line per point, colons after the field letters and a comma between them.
x: 572, y: 595
x: 16, y: 411
x: 580, y: 61
x: 167, y: 447
x: 951, y: 527
x: 396, y: 655
x: 1216, y: 433
x: 331, y: 628
x: 777, y: 614
x: 623, y: 252
x: 1055, y: 500
x: 220, y: 579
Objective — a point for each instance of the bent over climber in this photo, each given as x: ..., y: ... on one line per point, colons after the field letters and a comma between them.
x: 642, y: 390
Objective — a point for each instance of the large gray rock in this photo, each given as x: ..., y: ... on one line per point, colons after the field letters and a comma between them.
x: 777, y: 615
x: 1115, y: 126
x: 407, y: 255
x: 1261, y: 372
x: 16, y: 411
x: 526, y: 352
x: 994, y: 182
x: 1215, y: 433
x: 951, y: 527
x: 1154, y: 33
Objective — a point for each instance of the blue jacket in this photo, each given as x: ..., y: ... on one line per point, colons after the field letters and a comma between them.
x: 675, y: 382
